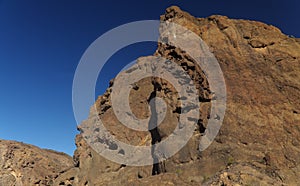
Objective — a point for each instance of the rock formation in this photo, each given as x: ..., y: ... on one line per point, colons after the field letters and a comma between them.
x: 259, y: 141
x: 22, y: 164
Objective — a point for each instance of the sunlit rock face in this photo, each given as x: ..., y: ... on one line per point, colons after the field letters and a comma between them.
x: 22, y: 164
x: 259, y: 141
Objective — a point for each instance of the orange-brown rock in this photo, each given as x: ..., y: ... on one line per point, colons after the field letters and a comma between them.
x: 259, y: 141
x: 22, y: 164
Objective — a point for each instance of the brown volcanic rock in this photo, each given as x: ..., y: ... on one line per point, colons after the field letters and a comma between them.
x: 22, y: 164
x: 259, y: 142
x: 262, y: 73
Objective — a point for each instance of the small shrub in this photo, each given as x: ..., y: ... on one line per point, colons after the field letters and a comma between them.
x: 230, y: 160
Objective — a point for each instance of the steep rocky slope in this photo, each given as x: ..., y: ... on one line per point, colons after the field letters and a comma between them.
x: 22, y: 164
x: 259, y: 141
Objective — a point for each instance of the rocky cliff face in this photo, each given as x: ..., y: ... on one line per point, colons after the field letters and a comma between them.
x: 259, y: 141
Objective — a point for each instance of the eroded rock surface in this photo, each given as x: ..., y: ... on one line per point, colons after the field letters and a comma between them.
x: 22, y: 164
x: 259, y: 141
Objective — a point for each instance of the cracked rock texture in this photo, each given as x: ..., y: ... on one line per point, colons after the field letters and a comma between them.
x: 22, y: 164
x: 259, y: 141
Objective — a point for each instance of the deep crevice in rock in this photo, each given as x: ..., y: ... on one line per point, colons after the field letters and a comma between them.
x: 157, y: 167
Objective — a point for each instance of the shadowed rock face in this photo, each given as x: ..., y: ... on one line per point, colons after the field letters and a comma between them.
x: 259, y: 142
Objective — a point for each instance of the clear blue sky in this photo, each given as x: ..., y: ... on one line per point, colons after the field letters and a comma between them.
x: 41, y: 43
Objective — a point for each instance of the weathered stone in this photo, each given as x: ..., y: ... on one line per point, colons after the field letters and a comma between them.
x: 258, y: 144
x: 22, y: 164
